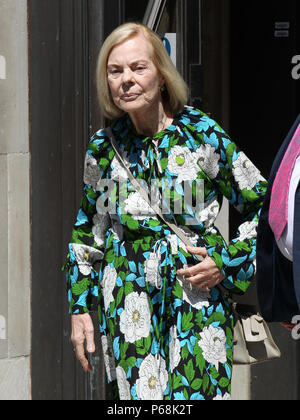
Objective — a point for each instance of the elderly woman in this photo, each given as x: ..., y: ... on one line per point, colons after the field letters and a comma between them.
x: 167, y: 329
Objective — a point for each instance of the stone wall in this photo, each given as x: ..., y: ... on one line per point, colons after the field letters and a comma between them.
x: 15, y: 319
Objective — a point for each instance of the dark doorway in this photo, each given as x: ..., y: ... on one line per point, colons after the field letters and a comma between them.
x: 264, y: 103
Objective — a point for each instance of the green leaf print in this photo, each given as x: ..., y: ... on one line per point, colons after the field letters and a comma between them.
x: 109, y: 256
x: 199, y: 319
x: 128, y: 288
x: 176, y: 381
x: 200, y: 362
x: 164, y: 163
x: 224, y: 382
x: 189, y: 371
x: 216, y: 317
x: 233, y: 250
x: 178, y: 292
x: 80, y: 287
x: 147, y: 342
x: 120, y: 295
x: 249, y: 196
x: 218, y: 260
x: 229, y: 152
x: 214, y: 373
x: 104, y: 163
x: 205, y: 382
x: 226, y: 189
x: 185, y: 352
x: 186, y: 321
x: 196, y: 384
x: 130, y: 222
x: 123, y: 349
x: 242, y: 246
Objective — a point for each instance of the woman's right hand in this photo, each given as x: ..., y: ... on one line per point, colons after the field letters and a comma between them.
x: 83, y: 330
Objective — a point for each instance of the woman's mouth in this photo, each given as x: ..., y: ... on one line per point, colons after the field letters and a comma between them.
x: 128, y: 96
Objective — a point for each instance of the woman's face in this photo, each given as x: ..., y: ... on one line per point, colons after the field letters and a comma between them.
x: 132, y: 76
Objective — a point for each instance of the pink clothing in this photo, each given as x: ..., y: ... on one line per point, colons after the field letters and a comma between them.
x: 279, y: 198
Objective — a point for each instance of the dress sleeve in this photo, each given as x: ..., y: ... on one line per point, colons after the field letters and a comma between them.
x: 242, y: 184
x: 88, y: 237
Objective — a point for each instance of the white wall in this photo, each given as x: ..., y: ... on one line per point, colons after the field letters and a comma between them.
x: 15, y: 313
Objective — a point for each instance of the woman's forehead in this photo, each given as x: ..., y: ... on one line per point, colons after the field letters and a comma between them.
x: 133, y: 49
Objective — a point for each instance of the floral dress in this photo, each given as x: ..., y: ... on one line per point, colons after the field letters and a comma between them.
x: 163, y: 339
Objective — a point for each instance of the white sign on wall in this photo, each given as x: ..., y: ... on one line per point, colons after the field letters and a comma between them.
x: 170, y: 43
x: 2, y: 328
x: 2, y: 68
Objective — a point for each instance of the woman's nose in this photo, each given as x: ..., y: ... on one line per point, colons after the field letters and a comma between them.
x: 128, y: 76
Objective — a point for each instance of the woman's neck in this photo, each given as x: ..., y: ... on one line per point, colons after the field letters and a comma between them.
x: 151, y: 122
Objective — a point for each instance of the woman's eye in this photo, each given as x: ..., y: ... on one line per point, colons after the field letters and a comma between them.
x: 114, y: 72
x: 140, y: 68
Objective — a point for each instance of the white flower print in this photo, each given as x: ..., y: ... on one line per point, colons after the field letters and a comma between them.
x: 208, y: 159
x: 101, y: 224
x: 245, y: 173
x: 175, y: 242
x: 152, y: 270
x: 174, y: 349
x: 153, y: 378
x: 92, y: 172
x: 85, y: 257
x: 182, y: 163
x: 123, y: 384
x: 108, y: 285
x: 213, y: 345
x: 210, y: 213
x: 109, y: 359
x: 137, y: 207
x: 144, y: 160
x: 193, y: 295
x: 225, y: 397
x: 119, y: 172
x: 135, y: 318
x: 247, y: 231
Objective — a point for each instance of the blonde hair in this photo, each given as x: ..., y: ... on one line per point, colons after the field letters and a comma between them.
x: 174, y: 96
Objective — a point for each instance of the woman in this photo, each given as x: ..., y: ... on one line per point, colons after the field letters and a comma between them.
x: 167, y: 330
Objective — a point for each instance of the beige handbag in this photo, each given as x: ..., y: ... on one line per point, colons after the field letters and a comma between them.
x: 253, y: 342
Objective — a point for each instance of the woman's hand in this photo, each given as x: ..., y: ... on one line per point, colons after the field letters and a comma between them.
x: 83, y: 329
x: 204, y: 275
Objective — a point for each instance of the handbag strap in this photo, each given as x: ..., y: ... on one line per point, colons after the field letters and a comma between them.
x: 144, y: 194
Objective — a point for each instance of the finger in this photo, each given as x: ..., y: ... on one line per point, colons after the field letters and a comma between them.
x: 89, y: 335
x: 197, y: 250
x: 203, y: 285
x: 80, y: 354
x: 200, y: 283
x: 190, y: 271
x: 90, y: 341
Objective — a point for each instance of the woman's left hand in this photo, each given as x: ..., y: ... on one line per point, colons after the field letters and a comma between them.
x: 204, y: 275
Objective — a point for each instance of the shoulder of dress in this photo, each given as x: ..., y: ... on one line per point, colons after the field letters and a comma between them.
x: 199, y: 121
x: 97, y: 142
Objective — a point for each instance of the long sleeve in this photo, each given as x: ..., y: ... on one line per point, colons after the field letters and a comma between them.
x: 232, y: 175
x: 88, y: 237
x: 242, y: 184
